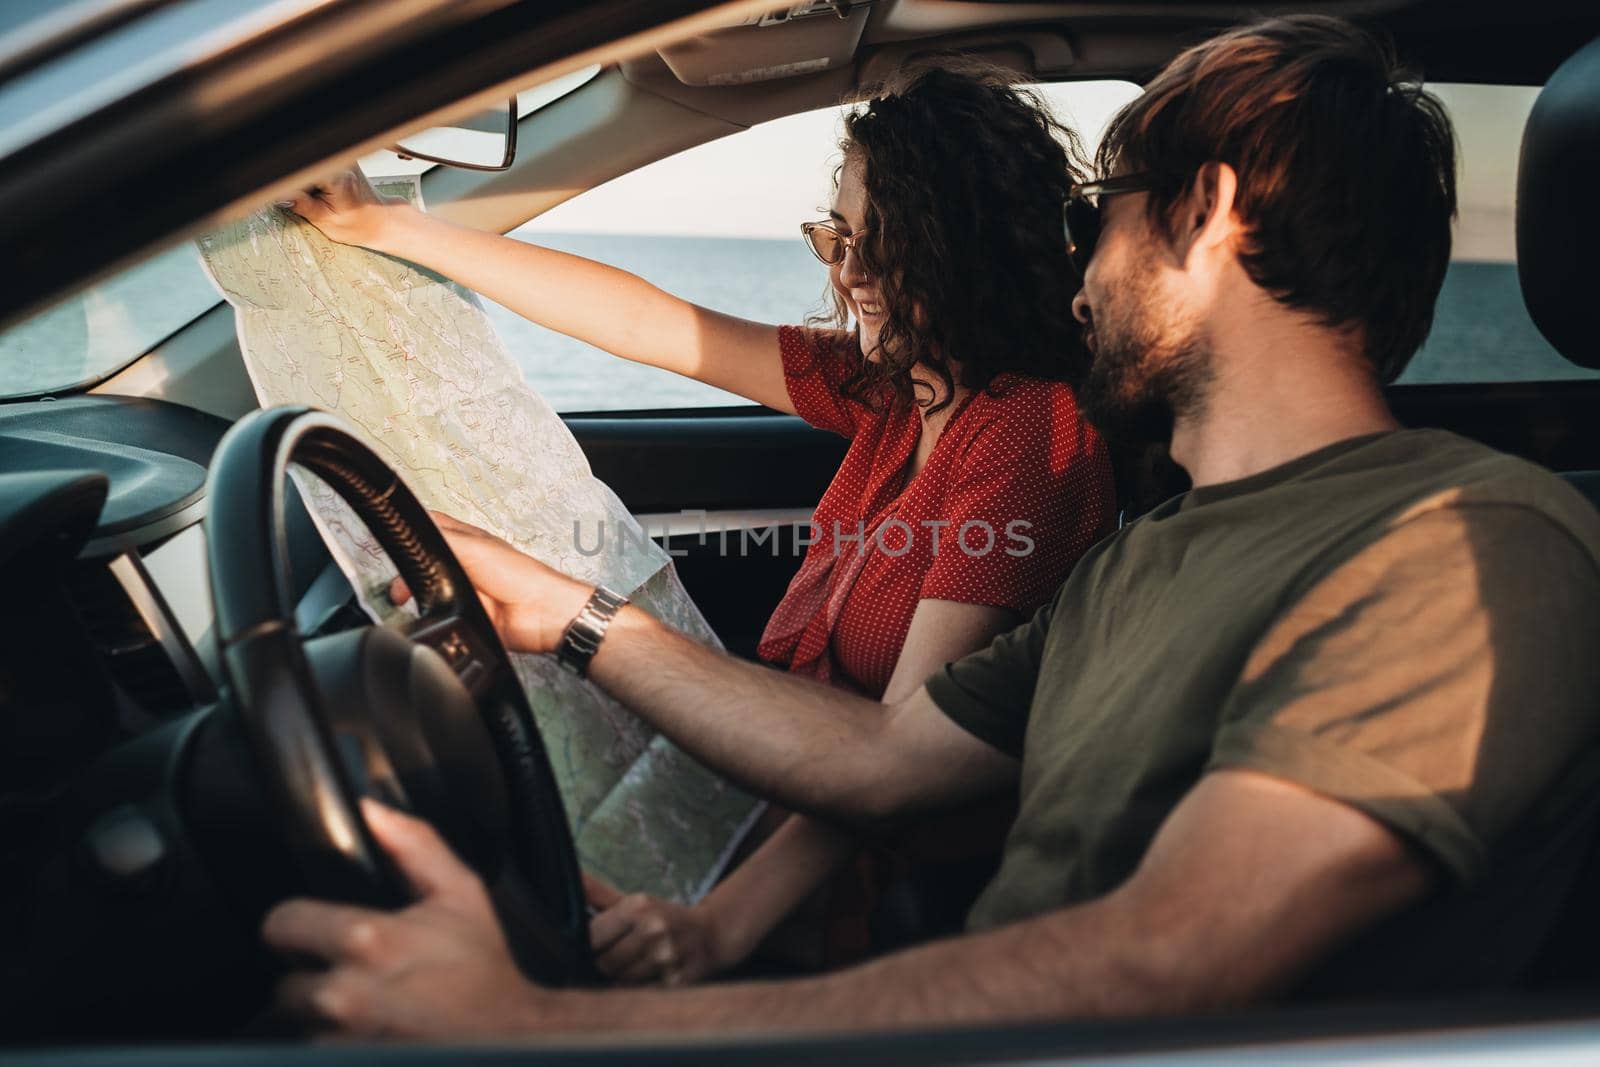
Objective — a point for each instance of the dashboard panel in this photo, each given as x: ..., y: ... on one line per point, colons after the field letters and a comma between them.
x: 135, y: 600
x: 122, y: 786
x: 54, y: 695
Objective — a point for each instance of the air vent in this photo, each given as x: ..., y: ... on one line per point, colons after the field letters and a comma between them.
x: 134, y: 656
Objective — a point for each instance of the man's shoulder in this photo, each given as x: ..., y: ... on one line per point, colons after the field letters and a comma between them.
x: 1464, y: 476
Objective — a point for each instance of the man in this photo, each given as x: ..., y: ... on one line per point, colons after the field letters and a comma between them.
x: 1314, y: 728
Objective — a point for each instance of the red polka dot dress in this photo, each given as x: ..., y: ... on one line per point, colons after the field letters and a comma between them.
x: 1017, y: 488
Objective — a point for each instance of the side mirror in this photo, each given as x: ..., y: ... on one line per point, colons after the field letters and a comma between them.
x: 485, y: 141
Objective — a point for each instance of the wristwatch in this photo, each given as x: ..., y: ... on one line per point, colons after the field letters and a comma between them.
x: 582, y: 637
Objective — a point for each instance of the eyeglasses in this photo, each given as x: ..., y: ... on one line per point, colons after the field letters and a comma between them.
x: 1080, y: 214
x: 827, y: 243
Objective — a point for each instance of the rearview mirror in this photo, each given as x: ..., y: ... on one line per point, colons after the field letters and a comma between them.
x: 485, y: 141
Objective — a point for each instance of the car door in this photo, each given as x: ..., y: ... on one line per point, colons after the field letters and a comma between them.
x: 728, y: 493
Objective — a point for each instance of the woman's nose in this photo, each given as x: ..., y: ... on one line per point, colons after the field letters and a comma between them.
x: 851, y: 272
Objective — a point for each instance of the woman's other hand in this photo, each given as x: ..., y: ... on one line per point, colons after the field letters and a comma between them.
x: 348, y: 209
x: 529, y: 603
x: 640, y: 940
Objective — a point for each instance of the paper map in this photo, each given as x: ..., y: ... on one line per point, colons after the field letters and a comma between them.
x: 410, y: 360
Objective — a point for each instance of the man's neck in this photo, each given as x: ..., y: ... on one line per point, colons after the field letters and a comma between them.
x: 1283, y: 388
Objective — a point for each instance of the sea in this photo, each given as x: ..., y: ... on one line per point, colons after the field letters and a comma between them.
x: 763, y: 280
x: 1481, y: 330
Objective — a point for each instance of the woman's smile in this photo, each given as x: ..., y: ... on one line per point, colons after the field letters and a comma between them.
x: 867, y: 307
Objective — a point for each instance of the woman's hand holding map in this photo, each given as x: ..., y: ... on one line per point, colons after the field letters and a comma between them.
x: 349, y: 210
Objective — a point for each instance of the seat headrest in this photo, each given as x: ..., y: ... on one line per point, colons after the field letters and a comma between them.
x: 1558, y: 208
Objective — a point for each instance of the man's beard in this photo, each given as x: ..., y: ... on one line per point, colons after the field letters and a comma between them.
x: 1144, y: 374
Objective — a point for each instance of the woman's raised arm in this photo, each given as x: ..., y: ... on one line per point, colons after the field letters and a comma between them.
x: 601, y: 305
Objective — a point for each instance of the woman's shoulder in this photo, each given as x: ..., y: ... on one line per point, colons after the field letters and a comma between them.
x: 817, y: 365
x: 817, y: 341
x: 1033, y: 428
x: 1022, y: 406
x: 820, y: 354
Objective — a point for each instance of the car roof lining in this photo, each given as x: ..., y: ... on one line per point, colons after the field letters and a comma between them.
x: 1116, y: 38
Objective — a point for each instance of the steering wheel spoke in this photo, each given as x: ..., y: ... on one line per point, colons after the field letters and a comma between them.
x: 449, y: 636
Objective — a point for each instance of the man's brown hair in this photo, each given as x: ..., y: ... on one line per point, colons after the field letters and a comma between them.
x: 1346, y: 169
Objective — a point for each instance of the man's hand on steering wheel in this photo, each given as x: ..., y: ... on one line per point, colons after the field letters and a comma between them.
x: 529, y: 603
x: 439, y: 968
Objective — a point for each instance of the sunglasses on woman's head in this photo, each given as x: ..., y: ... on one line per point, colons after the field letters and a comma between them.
x: 827, y: 243
x: 1080, y: 214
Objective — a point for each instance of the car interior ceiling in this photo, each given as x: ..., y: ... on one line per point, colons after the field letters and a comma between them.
x: 642, y: 109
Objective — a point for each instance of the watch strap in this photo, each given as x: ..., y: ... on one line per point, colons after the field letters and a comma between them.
x: 581, y: 639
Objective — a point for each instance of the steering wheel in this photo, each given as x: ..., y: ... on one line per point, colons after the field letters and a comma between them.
x: 428, y: 718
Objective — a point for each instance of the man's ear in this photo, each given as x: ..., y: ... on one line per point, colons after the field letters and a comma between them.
x: 1208, y: 218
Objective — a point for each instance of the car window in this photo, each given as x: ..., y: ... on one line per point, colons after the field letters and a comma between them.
x: 1481, y: 329
x: 91, y: 335
x: 718, y: 224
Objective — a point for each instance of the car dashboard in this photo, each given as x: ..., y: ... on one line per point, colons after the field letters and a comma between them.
x: 108, y: 642
x: 136, y: 598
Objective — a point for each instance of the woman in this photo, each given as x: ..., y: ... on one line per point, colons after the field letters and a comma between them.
x: 970, y: 485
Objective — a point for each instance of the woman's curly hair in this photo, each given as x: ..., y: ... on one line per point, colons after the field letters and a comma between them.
x: 965, y: 175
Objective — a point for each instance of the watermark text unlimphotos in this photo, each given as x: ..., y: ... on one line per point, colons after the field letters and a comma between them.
x: 894, y: 537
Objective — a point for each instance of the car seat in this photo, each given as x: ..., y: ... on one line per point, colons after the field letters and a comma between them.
x: 1558, y: 230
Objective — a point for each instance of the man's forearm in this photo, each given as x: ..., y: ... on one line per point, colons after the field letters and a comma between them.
x: 1075, y: 964
x: 808, y: 746
x: 1248, y: 882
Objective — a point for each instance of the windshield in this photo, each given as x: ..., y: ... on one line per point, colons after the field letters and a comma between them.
x: 89, y: 336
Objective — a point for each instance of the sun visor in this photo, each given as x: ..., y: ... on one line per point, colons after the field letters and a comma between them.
x: 802, y: 39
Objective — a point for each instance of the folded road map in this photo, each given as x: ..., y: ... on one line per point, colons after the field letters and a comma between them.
x: 411, y: 362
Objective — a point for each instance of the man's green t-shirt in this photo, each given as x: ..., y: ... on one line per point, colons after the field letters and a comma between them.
x: 1408, y: 622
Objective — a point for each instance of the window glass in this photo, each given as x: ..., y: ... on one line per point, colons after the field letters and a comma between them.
x: 101, y: 329
x: 718, y: 225
x: 88, y: 336
x: 1481, y: 329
